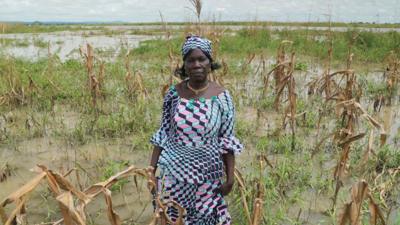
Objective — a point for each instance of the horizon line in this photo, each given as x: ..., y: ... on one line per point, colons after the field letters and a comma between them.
x: 184, y: 22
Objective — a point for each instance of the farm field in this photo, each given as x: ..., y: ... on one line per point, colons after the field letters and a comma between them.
x: 317, y: 110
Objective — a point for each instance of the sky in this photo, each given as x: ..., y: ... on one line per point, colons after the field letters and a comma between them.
x: 378, y: 11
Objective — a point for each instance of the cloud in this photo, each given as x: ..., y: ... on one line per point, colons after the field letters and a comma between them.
x: 176, y: 10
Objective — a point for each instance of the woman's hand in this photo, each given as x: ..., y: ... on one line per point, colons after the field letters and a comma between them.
x: 225, y: 188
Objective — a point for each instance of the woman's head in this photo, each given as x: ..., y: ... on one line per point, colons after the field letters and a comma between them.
x: 196, y: 42
x: 197, y: 59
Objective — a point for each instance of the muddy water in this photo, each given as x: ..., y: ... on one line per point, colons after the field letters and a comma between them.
x: 129, y: 203
x: 59, y: 154
x: 391, y: 122
x: 66, y: 44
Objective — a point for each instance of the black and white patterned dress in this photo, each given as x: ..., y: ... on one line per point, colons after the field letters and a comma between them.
x: 193, y: 135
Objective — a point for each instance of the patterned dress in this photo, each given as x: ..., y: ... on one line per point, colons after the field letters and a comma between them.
x: 193, y: 136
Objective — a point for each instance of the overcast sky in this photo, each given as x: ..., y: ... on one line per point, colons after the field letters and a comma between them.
x: 178, y: 10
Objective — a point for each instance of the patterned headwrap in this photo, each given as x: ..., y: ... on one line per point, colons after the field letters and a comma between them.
x: 193, y: 42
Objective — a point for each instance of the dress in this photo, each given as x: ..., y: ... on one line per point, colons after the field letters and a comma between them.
x: 193, y: 136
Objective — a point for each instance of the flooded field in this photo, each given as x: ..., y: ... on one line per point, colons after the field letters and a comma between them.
x: 50, y: 116
x: 66, y: 44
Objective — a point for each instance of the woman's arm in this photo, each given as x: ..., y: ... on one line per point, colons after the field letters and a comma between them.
x: 229, y: 162
x: 154, y: 158
x: 153, y: 163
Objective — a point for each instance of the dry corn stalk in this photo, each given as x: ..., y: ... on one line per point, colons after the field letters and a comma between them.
x: 242, y: 188
x: 161, y: 212
x: 284, y: 79
x: 392, y: 74
x: 197, y: 7
x: 282, y: 71
x: 256, y: 216
x: 335, y: 90
x: 173, y: 68
x: 351, y: 110
x: 279, y: 70
x: 370, y: 150
x: 95, y: 82
x: 258, y: 201
x: 134, y: 81
x: 347, y: 96
x: 265, y: 76
x: 215, y: 33
x: 64, y: 192
x: 351, y: 213
x: 359, y: 111
x: 247, y: 63
x: 327, y: 78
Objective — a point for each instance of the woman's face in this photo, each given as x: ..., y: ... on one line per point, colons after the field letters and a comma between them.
x: 197, y: 65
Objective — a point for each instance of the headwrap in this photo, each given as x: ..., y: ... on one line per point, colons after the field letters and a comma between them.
x: 193, y: 42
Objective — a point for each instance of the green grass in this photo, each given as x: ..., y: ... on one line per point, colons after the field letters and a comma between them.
x: 38, y: 28
x: 110, y: 169
x: 40, y: 43
x: 368, y: 47
x: 389, y: 157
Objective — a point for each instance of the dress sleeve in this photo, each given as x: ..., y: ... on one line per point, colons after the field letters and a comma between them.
x: 161, y: 135
x: 227, y: 140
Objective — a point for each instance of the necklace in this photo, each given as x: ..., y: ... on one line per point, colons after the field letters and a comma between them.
x: 197, y: 91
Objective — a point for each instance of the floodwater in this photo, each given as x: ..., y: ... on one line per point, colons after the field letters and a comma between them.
x: 66, y: 44
x: 129, y: 203
x: 60, y: 155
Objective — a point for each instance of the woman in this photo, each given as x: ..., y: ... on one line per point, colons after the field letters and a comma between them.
x: 196, y: 142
